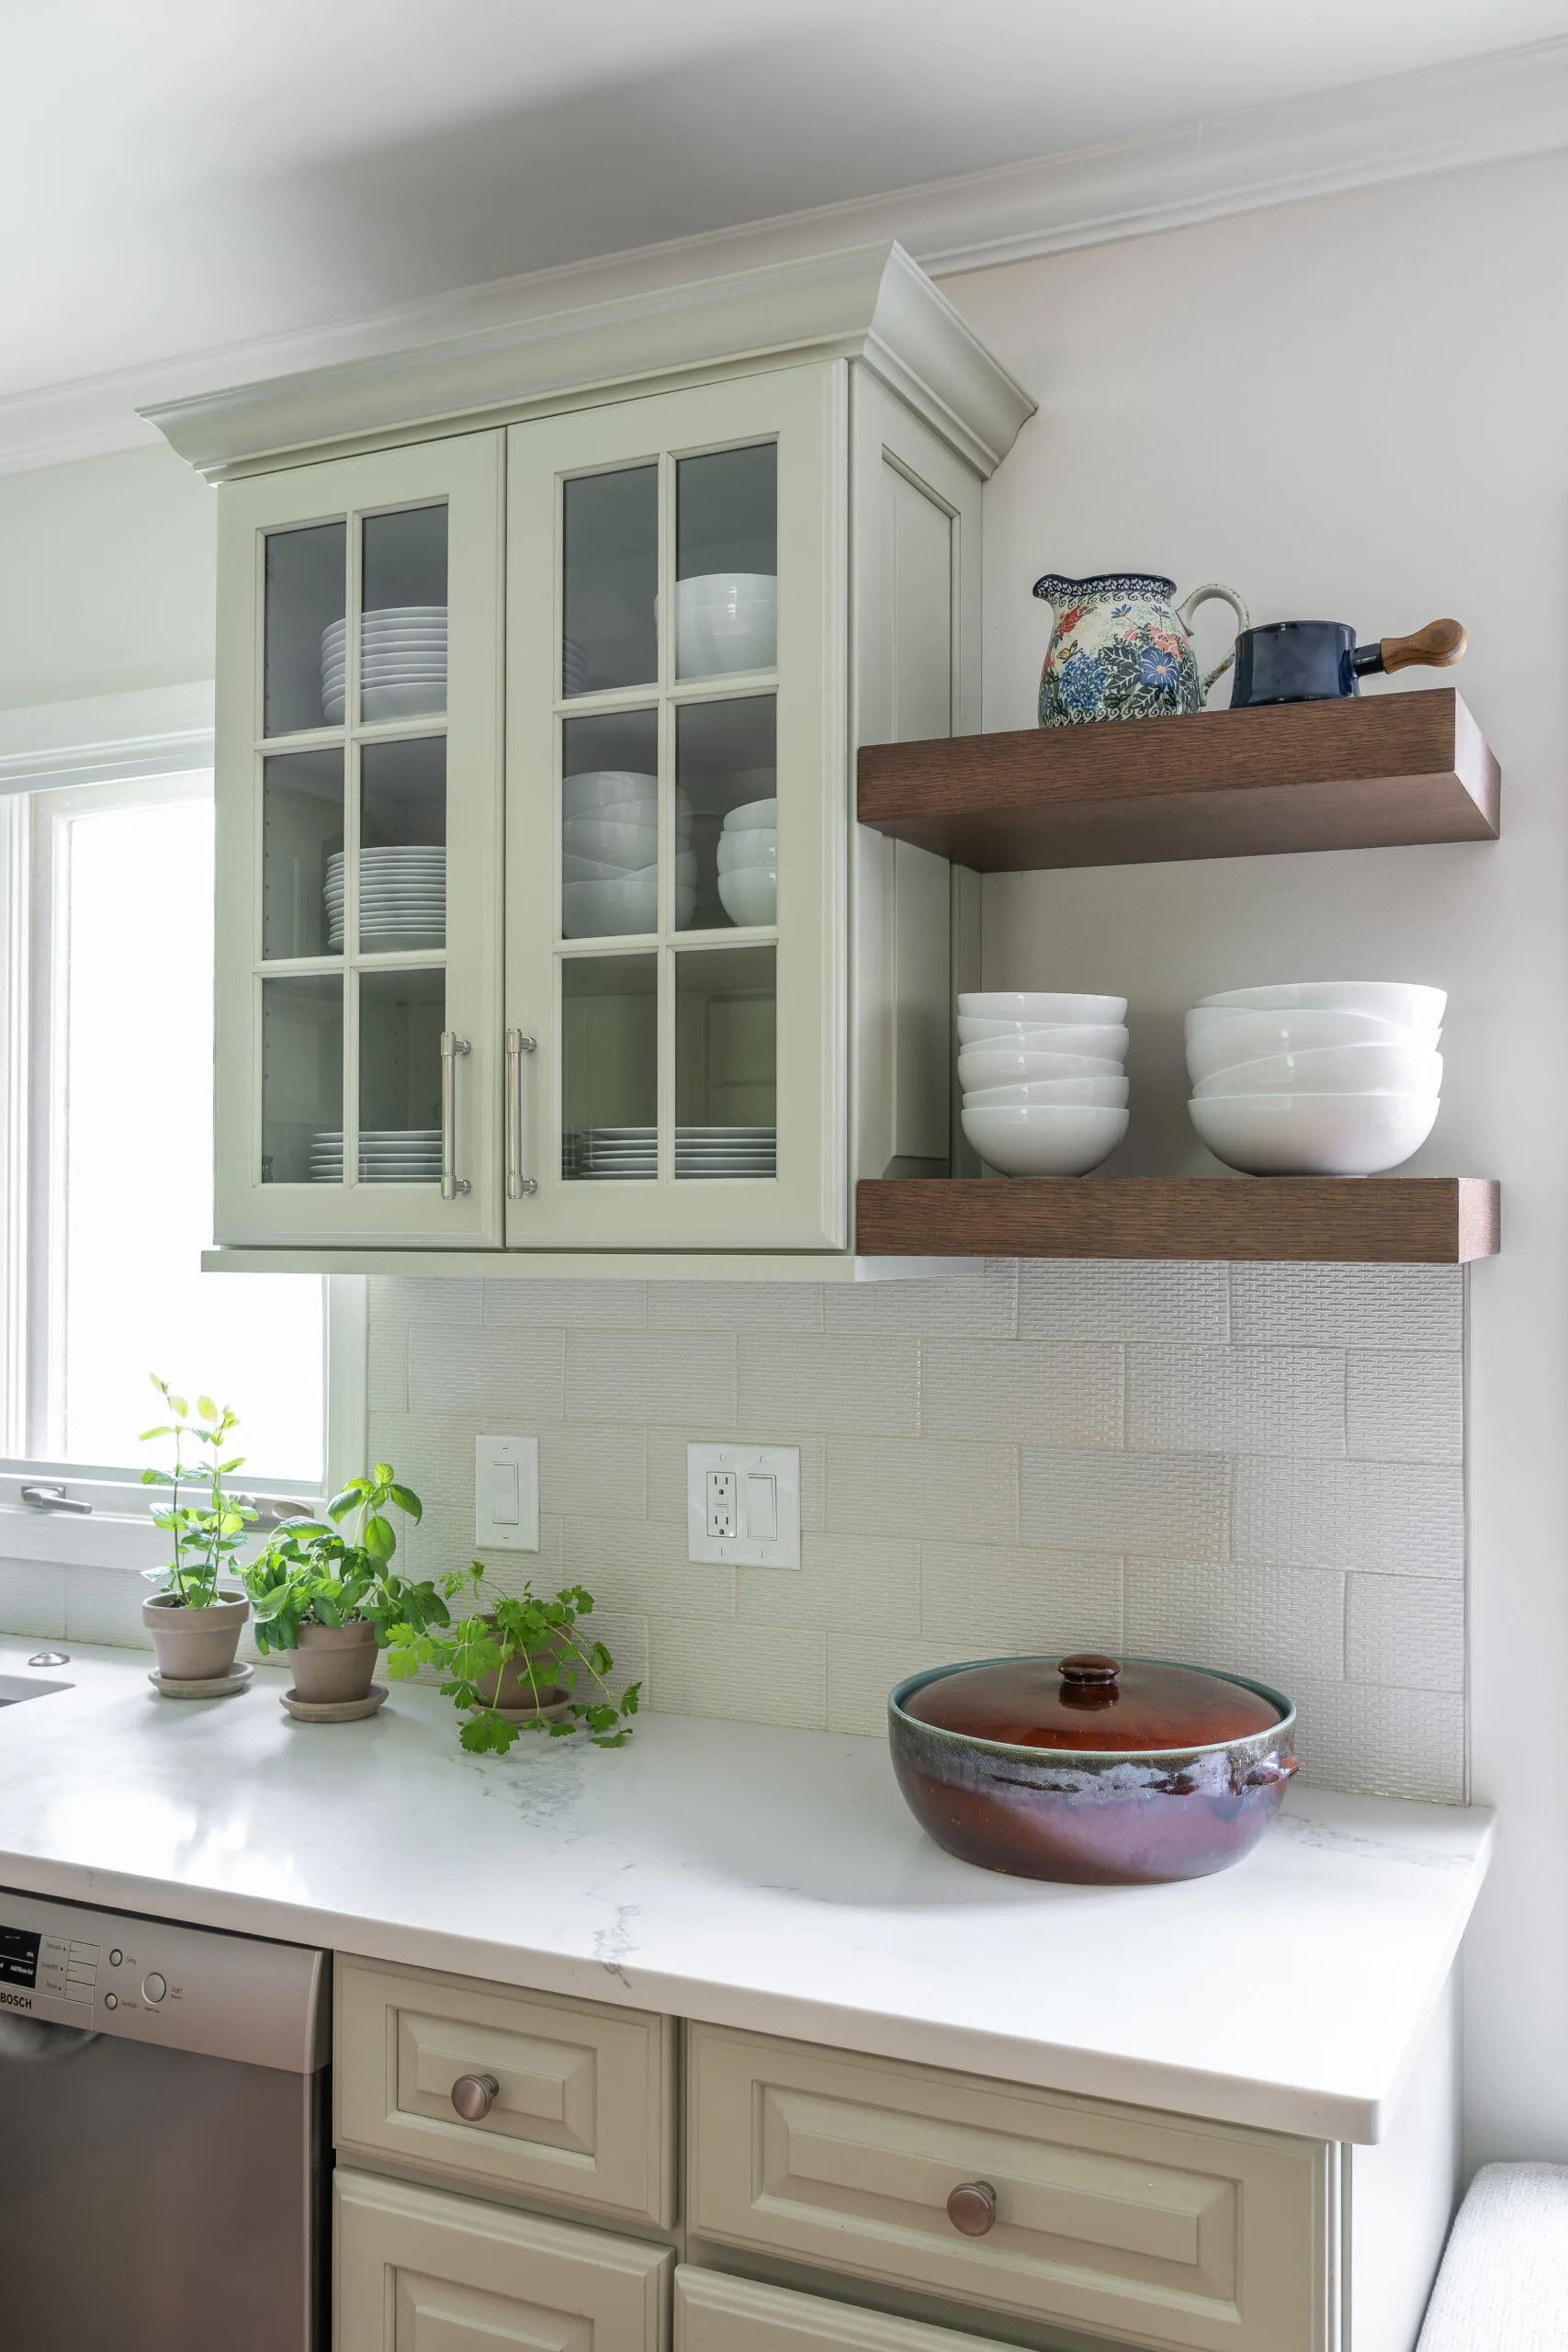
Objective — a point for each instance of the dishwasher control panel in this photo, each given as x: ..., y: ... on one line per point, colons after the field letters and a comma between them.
x: 153, y: 1980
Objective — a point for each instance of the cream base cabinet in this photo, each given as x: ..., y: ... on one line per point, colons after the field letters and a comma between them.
x: 418, y: 2271
x: 547, y: 934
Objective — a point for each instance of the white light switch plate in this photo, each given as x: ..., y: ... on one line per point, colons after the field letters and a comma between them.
x: 752, y: 1490
x: 506, y: 1494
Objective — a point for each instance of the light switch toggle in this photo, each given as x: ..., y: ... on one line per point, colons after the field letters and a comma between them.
x: 506, y: 1494
x: 743, y: 1505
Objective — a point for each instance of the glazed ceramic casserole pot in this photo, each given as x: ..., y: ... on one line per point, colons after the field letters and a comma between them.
x: 1096, y: 1770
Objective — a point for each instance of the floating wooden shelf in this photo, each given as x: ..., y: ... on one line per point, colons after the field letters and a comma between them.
x: 1329, y: 1220
x: 1374, y: 773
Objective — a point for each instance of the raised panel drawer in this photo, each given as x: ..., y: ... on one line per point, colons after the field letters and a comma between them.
x: 717, y: 2313
x: 1158, y: 2229
x: 584, y: 2107
x: 421, y: 2270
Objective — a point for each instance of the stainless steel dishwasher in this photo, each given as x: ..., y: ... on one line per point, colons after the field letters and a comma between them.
x: 165, y: 2136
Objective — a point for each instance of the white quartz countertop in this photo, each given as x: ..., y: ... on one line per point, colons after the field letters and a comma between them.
x: 770, y: 1880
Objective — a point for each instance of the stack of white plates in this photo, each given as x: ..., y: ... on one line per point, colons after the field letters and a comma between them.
x: 726, y: 620
x: 1316, y: 1078
x: 1044, y: 1090
x: 574, y: 665
x: 749, y: 862
x: 402, y: 663
x: 600, y: 1155
x: 402, y: 898
x: 387, y: 1156
x: 610, y: 854
x: 709, y: 1152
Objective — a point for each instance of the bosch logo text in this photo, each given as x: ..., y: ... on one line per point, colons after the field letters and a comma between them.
x: 16, y: 2000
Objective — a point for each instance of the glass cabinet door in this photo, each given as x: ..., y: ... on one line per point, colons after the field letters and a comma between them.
x: 359, y: 1062
x: 677, y: 820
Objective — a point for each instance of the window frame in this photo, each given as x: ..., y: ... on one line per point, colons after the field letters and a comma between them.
x: 114, y: 747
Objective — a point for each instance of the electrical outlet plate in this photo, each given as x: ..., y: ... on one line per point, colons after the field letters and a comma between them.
x: 506, y: 1494
x: 752, y: 1489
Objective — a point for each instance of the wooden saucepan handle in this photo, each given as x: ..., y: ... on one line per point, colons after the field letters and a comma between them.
x: 1436, y: 647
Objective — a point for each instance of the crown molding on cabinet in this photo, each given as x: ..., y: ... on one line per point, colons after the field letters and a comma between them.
x: 870, y: 303
x: 158, y: 731
x: 1511, y: 103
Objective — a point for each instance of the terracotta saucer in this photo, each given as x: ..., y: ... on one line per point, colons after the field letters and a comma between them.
x: 216, y: 1686
x: 333, y: 1711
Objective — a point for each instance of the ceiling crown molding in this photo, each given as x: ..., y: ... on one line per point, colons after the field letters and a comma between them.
x: 1513, y: 103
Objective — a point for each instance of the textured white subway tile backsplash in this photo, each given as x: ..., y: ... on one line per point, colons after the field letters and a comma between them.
x: 1170, y: 1503
x: 1404, y: 1406
x: 1237, y: 1400
x: 1258, y: 1467
x: 1389, y: 1517
x: 1060, y: 1393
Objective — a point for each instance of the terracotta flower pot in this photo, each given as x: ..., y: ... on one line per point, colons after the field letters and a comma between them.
x: 510, y: 1687
x: 195, y: 1645
x: 333, y: 1663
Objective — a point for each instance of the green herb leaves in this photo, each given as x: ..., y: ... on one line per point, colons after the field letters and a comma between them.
x: 310, y: 1574
x: 205, y: 1535
x: 518, y: 1664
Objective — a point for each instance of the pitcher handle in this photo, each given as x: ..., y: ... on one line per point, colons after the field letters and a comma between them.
x: 1190, y: 605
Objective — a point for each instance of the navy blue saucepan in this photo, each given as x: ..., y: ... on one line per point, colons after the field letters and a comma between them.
x: 1321, y: 661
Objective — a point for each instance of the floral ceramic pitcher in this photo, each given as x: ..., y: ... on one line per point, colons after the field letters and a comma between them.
x: 1120, y: 649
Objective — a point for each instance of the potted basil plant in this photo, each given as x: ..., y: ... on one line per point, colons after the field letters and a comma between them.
x: 518, y: 1663
x: 195, y: 1619
x: 328, y: 1602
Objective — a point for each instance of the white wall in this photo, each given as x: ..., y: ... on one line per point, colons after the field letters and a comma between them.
x: 1355, y: 408
x: 106, y: 578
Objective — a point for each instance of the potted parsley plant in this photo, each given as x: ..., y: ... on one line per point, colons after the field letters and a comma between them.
x: 518, y: 1662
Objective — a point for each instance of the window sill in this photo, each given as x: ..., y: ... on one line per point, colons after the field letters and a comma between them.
x: 106, y: 1539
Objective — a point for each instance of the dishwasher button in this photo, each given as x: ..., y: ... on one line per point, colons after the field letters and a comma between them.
x: 111, y: 2000
x: 116, y: 1957
x: 153, y: 1988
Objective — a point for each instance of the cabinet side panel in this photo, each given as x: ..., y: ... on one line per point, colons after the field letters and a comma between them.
x: 1402, y: 2197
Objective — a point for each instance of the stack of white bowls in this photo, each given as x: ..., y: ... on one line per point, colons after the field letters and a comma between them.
x: 749, y: 862
x: 726, y: 620
x: 610, y: 854
x: 402, y: 663
x: 1316, y: 1078
x: 1044, y: 1090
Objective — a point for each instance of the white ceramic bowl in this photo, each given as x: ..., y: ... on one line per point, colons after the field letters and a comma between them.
x: 1052, y: 1037
x: 1110, y: 1094
x: 1386, y: 1000
x: 1042, y: 1140
x: 752, y: 815
x: 726, y: 621
x: 1217, y: 1040
x: 1331, y: 1070
x: 628, y: 846
x: 1314, y: 1135
x: 607, y: 910
x: 985, y: 1066
x: 748, y: 852
x: 750, y: 897
x: 1040, y: 1009
x: 599, y: 788
x: 592, y: 869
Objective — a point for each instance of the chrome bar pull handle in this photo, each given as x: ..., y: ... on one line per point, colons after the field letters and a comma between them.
x: 518, y: 1186
x: 453, y: 1186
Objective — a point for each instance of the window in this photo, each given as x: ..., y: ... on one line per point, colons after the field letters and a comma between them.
x: 105, y: 1087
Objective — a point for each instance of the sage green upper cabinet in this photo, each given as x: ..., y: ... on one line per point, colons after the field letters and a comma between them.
x: 544, y: 928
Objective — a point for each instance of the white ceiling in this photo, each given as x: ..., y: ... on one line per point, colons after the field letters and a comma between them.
x: 185, y: 174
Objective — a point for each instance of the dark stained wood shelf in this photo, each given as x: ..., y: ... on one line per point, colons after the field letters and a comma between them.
x: 1326, y: 1220
x: 1377, y: 771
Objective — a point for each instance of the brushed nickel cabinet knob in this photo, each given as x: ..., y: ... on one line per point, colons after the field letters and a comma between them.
x: 473, y: 2096
x: 971, y: 2208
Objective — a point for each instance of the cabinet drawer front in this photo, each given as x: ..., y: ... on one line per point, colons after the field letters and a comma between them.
x: 421, y: 2270
x: 715, y: 2313
x: 1156, y: 2229
x: 583, y: 2110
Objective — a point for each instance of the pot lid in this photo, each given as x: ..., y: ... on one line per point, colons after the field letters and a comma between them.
x: 1091, y: 1702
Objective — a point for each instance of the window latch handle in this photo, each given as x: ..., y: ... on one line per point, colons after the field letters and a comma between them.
x: 53, y: 1498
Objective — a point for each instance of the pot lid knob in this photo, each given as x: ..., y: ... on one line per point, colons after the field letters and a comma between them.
x: 1087, y: 1671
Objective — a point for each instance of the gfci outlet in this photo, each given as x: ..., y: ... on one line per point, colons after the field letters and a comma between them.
x: 743, y: 1505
